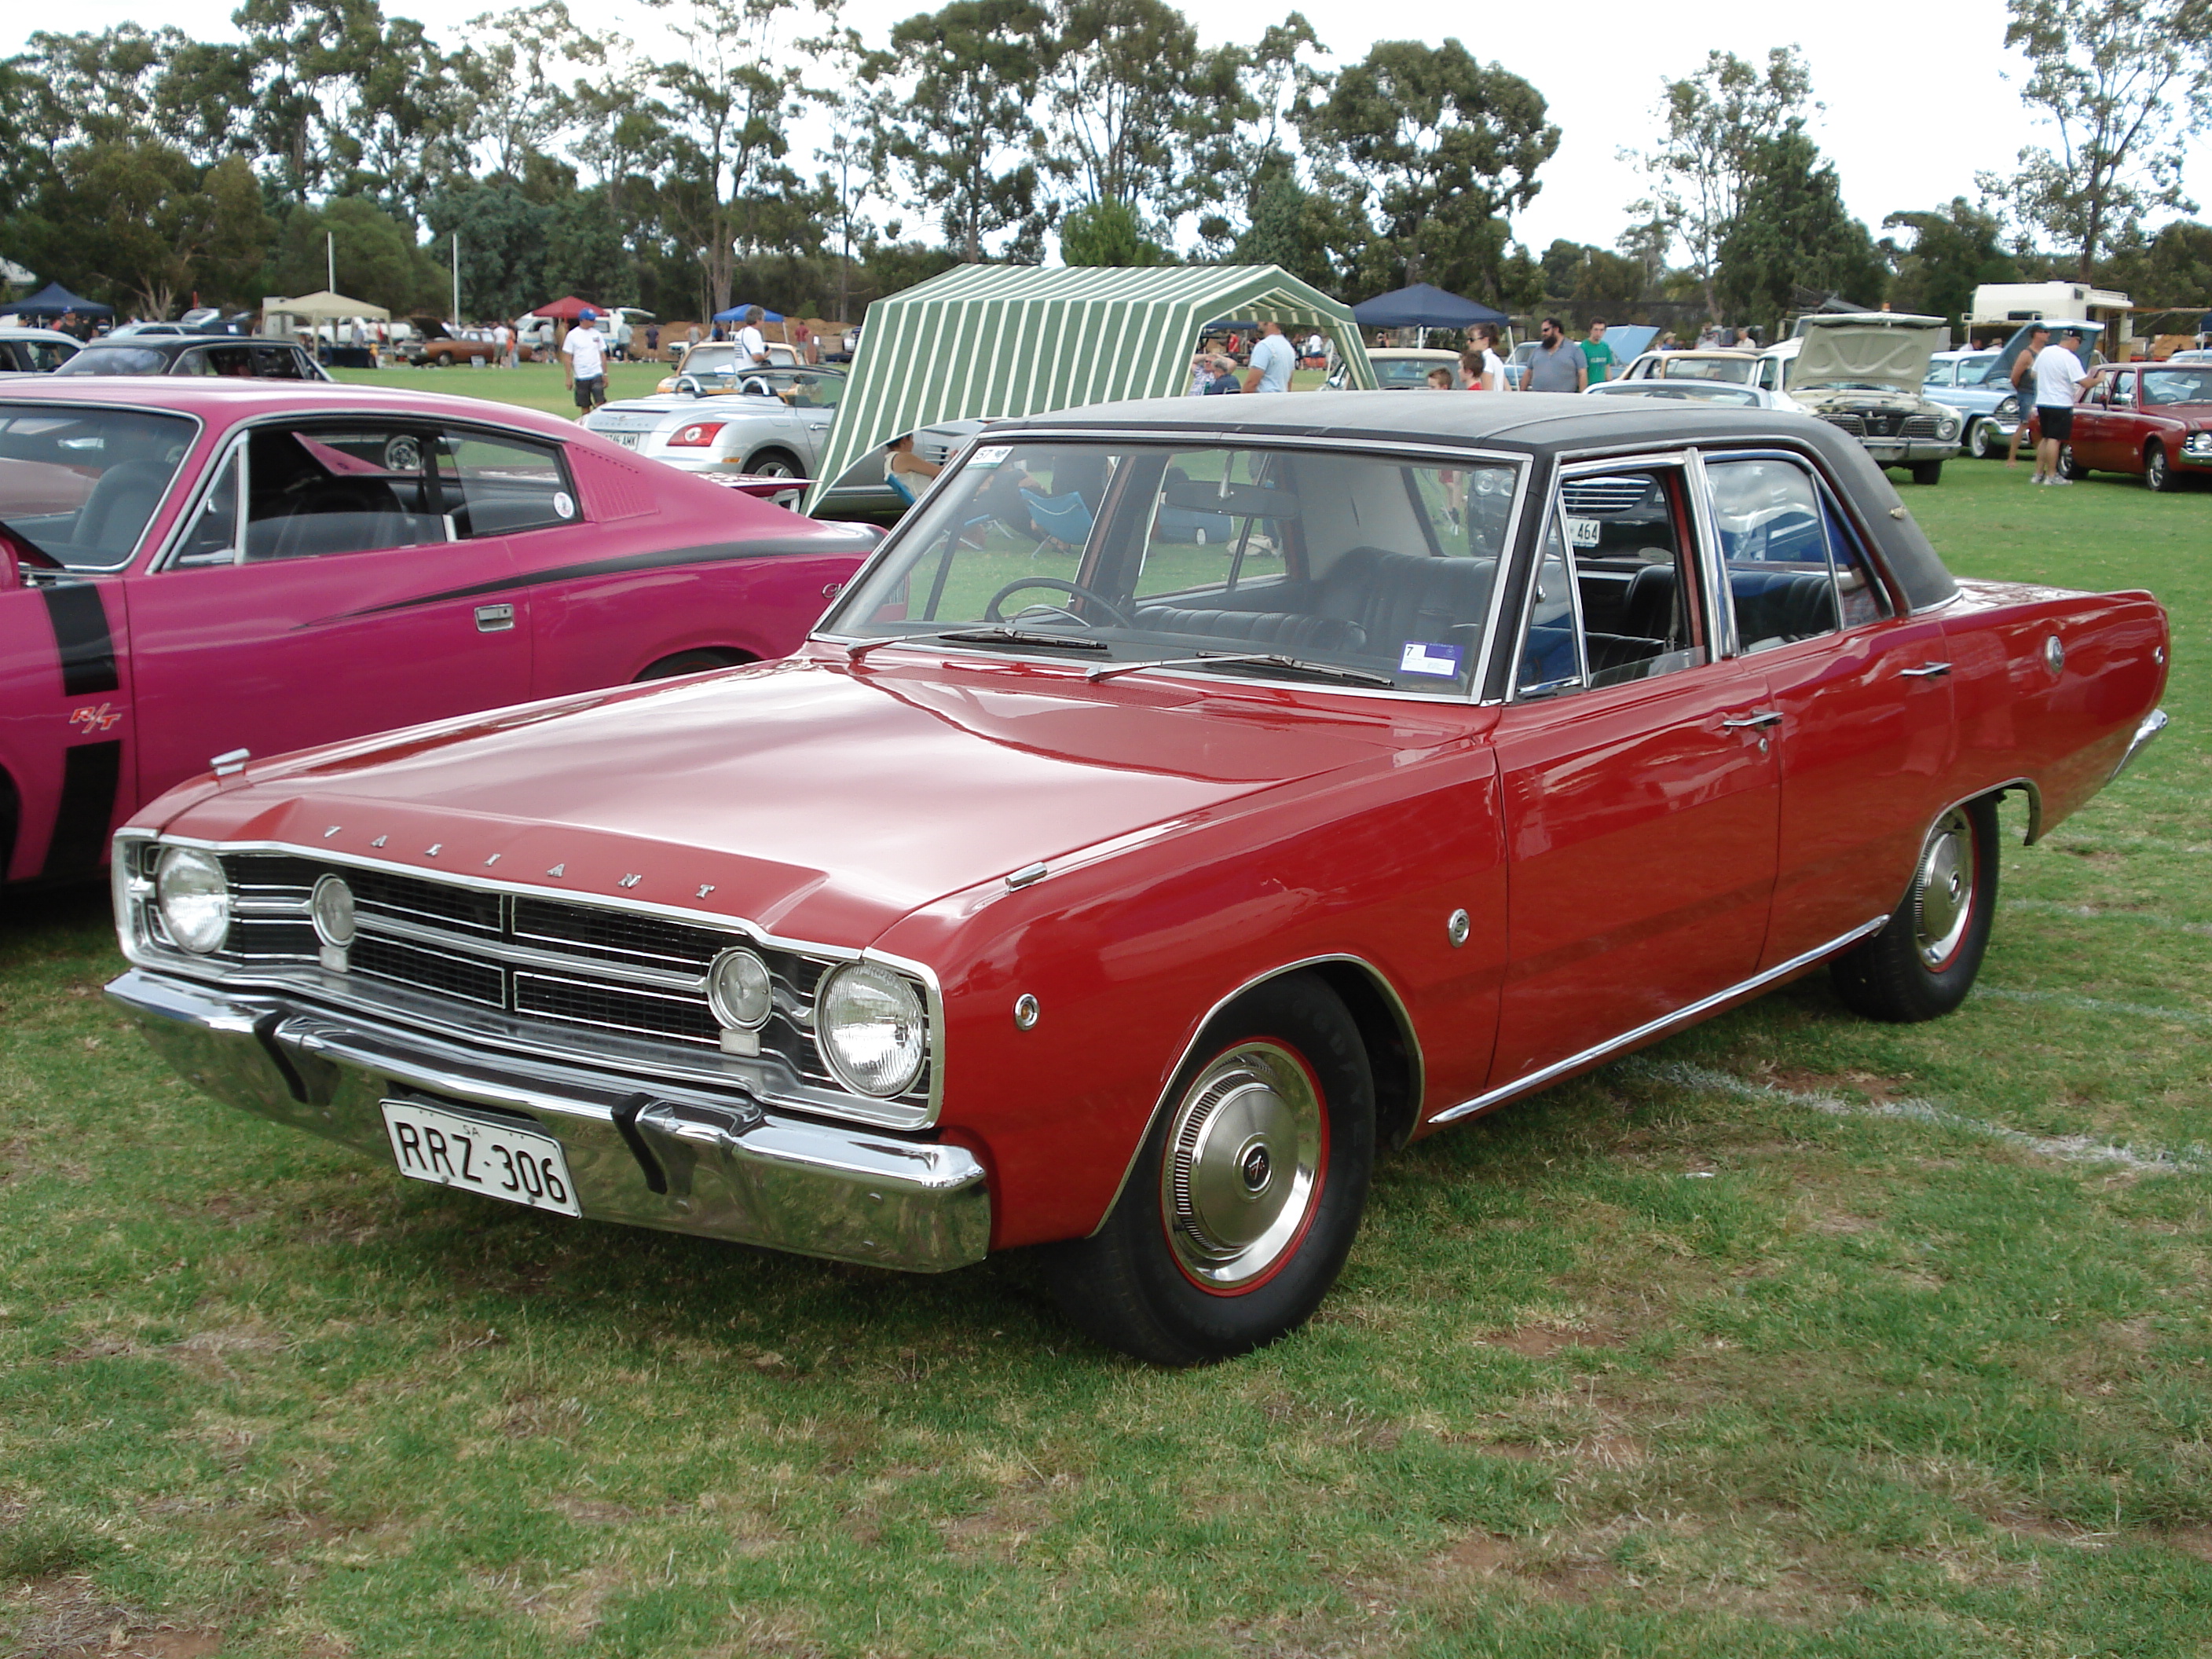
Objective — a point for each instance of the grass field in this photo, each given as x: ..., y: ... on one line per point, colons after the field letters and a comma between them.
x: 1794, y: 1336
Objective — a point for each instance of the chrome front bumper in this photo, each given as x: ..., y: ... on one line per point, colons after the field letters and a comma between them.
x: 677, y: 1159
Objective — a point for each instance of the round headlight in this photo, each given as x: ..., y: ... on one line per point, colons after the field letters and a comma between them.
x: 738, y: 989
x: 1949, y: 428
x: 874, y: 1031
x: 330, y: 909
x: 193, y: 896
x: 2008, y: 408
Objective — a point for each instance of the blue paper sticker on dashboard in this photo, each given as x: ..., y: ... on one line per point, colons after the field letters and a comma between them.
x: 1420, y: 658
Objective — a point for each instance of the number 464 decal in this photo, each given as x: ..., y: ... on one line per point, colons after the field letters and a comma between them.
x: 89, y: 719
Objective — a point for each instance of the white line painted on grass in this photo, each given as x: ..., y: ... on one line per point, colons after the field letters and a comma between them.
x: 2090, y: 913
x: 2072, y: 1149
x: 2096, y: 1005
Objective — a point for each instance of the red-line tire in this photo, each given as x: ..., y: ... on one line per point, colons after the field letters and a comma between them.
x: 1245, y: 1196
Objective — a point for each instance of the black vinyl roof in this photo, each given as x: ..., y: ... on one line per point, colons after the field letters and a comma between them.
x: 1545, y: 425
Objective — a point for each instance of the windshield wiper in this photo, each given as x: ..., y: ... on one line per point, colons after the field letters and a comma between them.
x: 1265, y: 658
x: 976, y: 636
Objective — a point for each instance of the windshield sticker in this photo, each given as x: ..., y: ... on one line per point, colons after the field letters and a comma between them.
x: 992, y: 454
x: 1583, y: 532
x: 1421, y: 657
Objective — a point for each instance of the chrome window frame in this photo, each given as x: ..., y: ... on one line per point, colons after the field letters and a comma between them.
x: 133, y: 892
x: 1827, y: 495
x: 1413, y: 451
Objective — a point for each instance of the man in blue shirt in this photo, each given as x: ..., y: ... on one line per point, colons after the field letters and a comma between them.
x: 1271, y: 361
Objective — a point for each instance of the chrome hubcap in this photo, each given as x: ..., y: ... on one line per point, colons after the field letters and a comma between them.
x: 1943, y: 890
x: 1243, y: 1166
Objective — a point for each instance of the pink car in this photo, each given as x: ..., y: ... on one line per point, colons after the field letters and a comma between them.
x: 191, y: 573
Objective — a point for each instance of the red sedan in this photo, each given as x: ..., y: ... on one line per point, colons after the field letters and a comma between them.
x: 195, y: 572
x: 2154, y: 420
x: 1184, y: 807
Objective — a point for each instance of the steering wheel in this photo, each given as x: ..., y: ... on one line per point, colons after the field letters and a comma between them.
x: 992, y: 613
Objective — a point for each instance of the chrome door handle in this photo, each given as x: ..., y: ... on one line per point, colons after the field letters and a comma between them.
x: 494, y: 618
x: 1754, y: 721
x: 1927, y: 671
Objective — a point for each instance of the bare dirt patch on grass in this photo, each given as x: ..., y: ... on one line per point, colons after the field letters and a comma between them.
x: 66, y: 1618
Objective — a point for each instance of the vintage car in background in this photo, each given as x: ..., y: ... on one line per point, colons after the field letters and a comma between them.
x: 1727, y: 367
x: 1405, y: 368
x: 1128, y: 900
x: 34, y: 350
x: 222, y: 569
x: 2154, y: 420
x: 1712, y: 394
x: 1863, y: 371
x: 431, y: 344
x: 1974, y: 384
x: 770, y: 424
x: 196, y: 354
x: 714, y: 366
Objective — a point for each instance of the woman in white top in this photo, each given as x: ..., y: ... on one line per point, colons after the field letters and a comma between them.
x: 1481, y: 368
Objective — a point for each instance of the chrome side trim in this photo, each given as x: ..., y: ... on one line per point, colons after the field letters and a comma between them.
x: 1415, y: 1063
x: 2153, y: 724
x: 1655, y: 1028
x: 673, y: 1159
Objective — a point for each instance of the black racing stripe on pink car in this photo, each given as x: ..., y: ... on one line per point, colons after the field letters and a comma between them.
x: 90, y: 774
x: 660, y: 559
x: 81, y: 633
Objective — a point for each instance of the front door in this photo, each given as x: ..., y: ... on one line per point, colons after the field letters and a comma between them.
x: 2093, y: 434
x: 345, y: 597
x: 1639, y: 779
x: 1865, y: 734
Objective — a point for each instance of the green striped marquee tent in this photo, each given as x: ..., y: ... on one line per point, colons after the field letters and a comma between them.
x: 1003, y: 340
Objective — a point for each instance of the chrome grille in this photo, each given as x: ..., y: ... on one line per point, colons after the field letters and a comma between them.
x: 1923, y: 426
x: 1851, y: 423
x: 1581, y: 495
x: 559, y: 968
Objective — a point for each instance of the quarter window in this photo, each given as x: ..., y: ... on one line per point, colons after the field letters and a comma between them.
x: 506, y: 484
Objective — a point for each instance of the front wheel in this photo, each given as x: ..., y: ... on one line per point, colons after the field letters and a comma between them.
x: 1244, y: 1199
x: 2157, y: 472
x: 1927, y: 472
x: 1983, y: 441
x: 2069, y: 466
x: 1924, y: 961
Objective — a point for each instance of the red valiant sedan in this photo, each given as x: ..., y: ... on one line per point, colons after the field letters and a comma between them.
x: 2154, y: 420
x: 195, y: 572
x: 1184, y: 806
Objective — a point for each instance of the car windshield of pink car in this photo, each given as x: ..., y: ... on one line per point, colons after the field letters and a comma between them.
x: 1182, y: 557
x: 79, y: 484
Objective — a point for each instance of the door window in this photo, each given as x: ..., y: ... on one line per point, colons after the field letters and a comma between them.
x: 279, y: 362
x: 506, y: 484
x: 350, y: 489
x: 1794, y: 569
x: 1615, y: 592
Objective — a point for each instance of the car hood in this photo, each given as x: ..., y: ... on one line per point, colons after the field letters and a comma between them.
x: 820, y: 801
x: 1890, y: 351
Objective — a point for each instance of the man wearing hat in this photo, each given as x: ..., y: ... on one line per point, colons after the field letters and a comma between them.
x: 2059, y: 373
x: 584, y: 358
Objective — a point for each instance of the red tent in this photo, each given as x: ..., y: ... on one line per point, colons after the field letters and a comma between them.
x: 568, y: 308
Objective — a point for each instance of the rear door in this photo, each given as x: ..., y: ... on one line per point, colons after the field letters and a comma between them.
x: 328, y: 583
x: 1640, y: 785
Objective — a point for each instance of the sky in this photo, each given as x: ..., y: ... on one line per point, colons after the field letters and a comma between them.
x: 1918, y: 97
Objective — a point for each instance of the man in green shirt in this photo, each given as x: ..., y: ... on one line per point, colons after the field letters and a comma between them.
x: 1597, y: 354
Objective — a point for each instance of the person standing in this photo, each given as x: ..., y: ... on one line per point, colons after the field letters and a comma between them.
x: 502, y: 344
x: 1558, y: 366
x: 1485, y: 369
x: 653, y: 341
x: 586, y: 362
x: 2059, y: 373
x: 2023, y: 378
x: 1271, y: 361
x: 752, y: 344
x: 1597, y: 355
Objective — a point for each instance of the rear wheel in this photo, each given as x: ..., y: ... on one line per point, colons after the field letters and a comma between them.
x: 702, y: 660
x: 1927, y: 472
x: 2158, y: 473
x: 1924, y: 960
x: 1244, y: 1199
x: 777, y: 464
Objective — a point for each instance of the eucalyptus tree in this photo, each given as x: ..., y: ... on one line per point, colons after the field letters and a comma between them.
x: 510, y: 67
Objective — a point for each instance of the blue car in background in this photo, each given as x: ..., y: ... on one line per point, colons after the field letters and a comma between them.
x: 1979, y: 385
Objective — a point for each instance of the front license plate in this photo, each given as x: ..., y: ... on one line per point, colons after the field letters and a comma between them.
x: 500, y: 1160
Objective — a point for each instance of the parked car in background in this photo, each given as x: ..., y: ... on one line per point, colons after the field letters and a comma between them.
x: 713, y: 365
x: 2154, y: 420
x: 431, y: 344
x: 1121, y: 891
x: 195, y: 354
x: 1728, y: 368
x: 1974, y: 384
x: 1711, y: 394
x: 1863, y: 371
x: 229, y: 567
x: 1405, y: 368
x: 34, y: 350
x: 770, y: 424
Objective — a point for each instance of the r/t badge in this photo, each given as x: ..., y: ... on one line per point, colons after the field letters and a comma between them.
x: 90, y: 719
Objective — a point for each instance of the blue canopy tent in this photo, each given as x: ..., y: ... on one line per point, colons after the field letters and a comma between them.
x: 1423, y: 306
x: 54, y: 300
x: 737, y: 314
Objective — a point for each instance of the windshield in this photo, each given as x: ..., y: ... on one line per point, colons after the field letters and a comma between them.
x: 1339, y: 567
x: 1398, y: 373
x: 1737, y: 369
x: 2177, y: 385
x: 1699, y: 391
x: 82, y: 482
x: 116, y: 359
